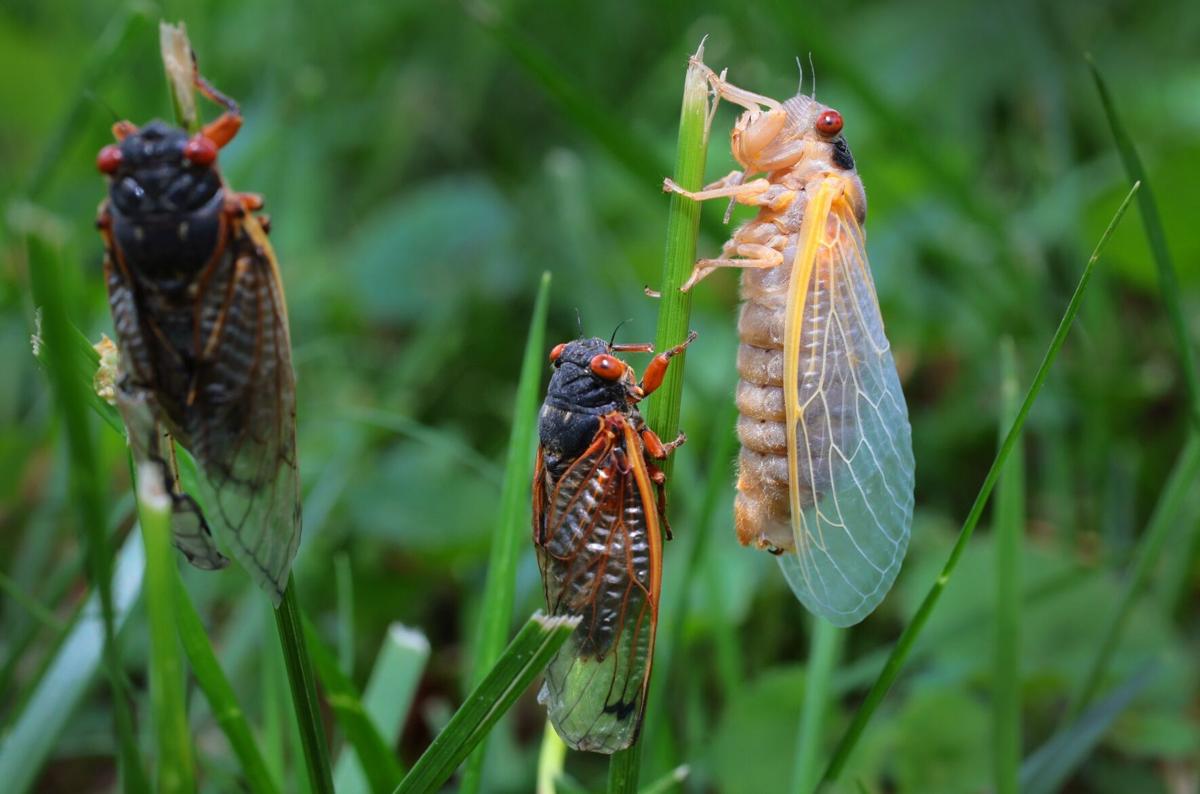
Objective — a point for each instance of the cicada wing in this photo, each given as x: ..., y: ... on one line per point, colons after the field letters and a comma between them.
x: 601, y: 560
x: 148, y: 439
x: 150, y: 443
x: 850, y: 461
x: 241, y: 424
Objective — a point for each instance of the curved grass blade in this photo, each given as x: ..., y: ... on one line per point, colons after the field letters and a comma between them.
x: 909, y: 636
x: 176, y: 765
x: 387, y: 699
x: 512, y: 518
x: 1048, y: 768
x: 526, y: 656
x: 378, y: 762
x: 32, y: 737
x: 822, y: 656
x: 219, y: 693
x: 86, y: 482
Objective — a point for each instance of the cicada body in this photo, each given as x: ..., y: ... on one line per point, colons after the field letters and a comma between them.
x: 598, y: 524
x: 201, y: 324
x: 826, y: 468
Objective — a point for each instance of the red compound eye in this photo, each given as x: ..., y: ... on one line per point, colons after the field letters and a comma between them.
x: 200, y: 150
x: 607, y: 367
x: 109, y: 159
x: 829, y: 123
x: 556, y: 352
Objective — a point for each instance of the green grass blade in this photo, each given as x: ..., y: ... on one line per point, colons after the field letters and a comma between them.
x: 387, y: 698
x: 1049, y: 767
x: 524, y: 659
x: 378, y: 762
x: 1168, y: 281
x: 289, y: 622
x: 512, y: 519
x: 31, y: 605
x: 86, y: 480
x: 32, y: 738
x: 343, y: 578
x: 668, y: 782
x: 551, y: 760
x: 1181, y: 483
x: 822, y: 656
x: 228, y: 713
x: 176, y: 766
x: 674, y: 313
x: 899, y: 655
x: 1010, y: 536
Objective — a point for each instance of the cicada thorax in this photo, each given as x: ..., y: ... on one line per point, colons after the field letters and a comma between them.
x: 598, y: 527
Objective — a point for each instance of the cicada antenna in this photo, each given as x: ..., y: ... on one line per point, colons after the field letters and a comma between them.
x: 579, y: 321
x: 813, y: 70
x: 90, y: 95
x: 613, y: 338
x: 208, y: 90
x: 800, y: 67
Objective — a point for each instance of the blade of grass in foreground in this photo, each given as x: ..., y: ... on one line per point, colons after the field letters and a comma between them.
x: 219, y: 693
x: 1010, y: 536
x: 176, y: 767
x: 822, y: 656
x: 674, y: 312
x: 904, y: 645
x: 86, y: 482
x: 387, y: 698
x: 1049, y: 767
x: 512, y: 519
x: 35, y: 732
x: 1168, y: 281
x: 378, y: 762
x: 524, y: 659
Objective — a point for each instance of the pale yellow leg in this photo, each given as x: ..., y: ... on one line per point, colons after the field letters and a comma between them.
x: 752, y: 255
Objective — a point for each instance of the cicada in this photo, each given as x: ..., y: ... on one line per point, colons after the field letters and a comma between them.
x: 825, y: 474
x: 202, y: 328
x: 599, y: 515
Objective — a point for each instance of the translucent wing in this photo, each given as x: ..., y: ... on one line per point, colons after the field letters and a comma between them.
x: 600, y: 552
x: 850, y: 461
x: 241, y: 423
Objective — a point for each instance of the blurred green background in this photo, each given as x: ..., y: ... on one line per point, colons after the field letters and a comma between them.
x: 423, y: 163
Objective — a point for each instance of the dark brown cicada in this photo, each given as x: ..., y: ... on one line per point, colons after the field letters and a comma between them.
x: 598, y: 529
x: 202, y: 328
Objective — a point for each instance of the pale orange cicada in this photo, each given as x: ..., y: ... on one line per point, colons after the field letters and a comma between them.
x: 825, y: 475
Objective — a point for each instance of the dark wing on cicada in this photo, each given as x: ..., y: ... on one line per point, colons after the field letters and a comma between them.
x: 237, y: 412
x: 242, y: 422
x: 600, y: 550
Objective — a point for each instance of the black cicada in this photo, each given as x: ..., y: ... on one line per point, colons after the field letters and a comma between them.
x: 202, y: 329
x: 596, y: 526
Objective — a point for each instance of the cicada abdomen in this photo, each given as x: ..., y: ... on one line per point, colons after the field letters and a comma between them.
x: 825, y: 475
x: 201, y: 325
x: 598, y: 526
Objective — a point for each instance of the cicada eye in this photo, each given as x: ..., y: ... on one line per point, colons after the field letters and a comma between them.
x: 109, y: 159
x: 200, y: 151
x: 557, y: 352
x: 607, y: 367
x: 829, y: 123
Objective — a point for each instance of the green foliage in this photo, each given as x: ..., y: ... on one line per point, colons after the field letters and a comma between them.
x: 424, y: 165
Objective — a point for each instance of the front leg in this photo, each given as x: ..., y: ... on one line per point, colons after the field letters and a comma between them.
x: 657, y: 370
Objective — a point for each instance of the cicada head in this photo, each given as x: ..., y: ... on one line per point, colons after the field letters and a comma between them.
x: 589, y: 378
x: 166, y: 198
x: 781, y: 137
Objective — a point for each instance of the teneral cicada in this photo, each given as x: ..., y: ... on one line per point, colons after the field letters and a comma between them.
x: 826, y: 467
x: 201, y: 324
x: 598, y: 522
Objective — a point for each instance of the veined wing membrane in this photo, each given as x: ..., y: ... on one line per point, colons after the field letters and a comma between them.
x: 849, y: 442
x: 599, y: 549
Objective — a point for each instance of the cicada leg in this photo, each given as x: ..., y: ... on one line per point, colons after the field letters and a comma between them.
x: 657, y: 368
x: 655, y: 448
